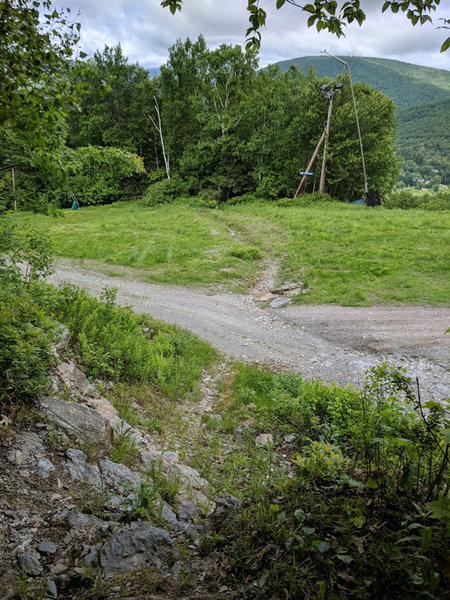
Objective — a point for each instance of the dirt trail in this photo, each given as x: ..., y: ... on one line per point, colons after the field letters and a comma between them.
x: 331, y: 342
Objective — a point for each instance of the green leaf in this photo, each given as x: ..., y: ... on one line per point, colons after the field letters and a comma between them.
x: 345, y: 558
x: 309, y: 8
x: 427, y: 534
x: 386, y: 548
x: 323, y: 547
x: 280, y: 3
x: 445, y: 46
x: 372, y: 484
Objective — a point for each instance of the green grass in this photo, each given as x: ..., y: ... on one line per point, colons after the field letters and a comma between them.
x: 354, y: 255
x: 344, y: 254
x: 168, y: 243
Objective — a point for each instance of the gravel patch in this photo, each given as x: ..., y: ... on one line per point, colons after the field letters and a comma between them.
x: 331, y: 342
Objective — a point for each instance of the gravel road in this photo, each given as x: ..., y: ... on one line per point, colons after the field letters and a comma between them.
x: 331, y: 342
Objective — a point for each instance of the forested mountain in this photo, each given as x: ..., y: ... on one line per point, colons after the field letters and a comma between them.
x: 407, y: 84
x: 422, y: 95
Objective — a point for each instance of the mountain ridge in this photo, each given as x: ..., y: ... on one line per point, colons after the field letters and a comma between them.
x: 406, y: 83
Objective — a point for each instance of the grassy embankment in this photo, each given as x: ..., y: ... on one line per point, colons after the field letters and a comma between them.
x: 343, y: 254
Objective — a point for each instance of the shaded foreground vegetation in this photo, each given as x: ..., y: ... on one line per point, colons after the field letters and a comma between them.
x: 343, y: 254
x: 343, y: 501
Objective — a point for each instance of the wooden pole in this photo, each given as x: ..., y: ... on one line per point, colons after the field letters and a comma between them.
x: 311, y: 162
x: 324, y: 159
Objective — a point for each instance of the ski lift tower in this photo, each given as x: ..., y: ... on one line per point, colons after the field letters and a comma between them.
x: 328, y: 92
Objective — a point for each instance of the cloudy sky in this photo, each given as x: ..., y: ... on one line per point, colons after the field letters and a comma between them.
x: 146, y: 30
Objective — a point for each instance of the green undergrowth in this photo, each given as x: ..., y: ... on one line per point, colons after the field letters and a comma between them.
x: 348, y: 498
x: 115, y: 343
x: 343, y: 254
x: 109, y: 341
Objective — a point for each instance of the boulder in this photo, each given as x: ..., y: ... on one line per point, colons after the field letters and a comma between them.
x: 85, y: 424
x: 72, y: 377
x: 118, y: 477
x: 187, y: 511
x: 80, y: 470
x: 138, y: 546
x: 192, y: 486
x: 26, y: 448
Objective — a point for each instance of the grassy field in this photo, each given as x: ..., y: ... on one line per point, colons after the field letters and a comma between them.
x: 343, y: 254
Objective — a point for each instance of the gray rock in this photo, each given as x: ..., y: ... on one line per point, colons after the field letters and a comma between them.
x: 82, y: 526
x: 30, y: 565
x: 118, y: 477
x: 290, y: 438
x: 80, y: 470
x: 171, y: 455
x: 51, y: 588
x: 46, y: 547
x: 137, y: 546
x: 72, y: 377
x: 264, y: 439
x: 192, y: 486
x: 85, y: 424
x: 226, y: 506
x: 91, y: 555
x: 187, y: 511
x: 26, y: 447
x: 45, y: 467
x: 279, y: 302
x: 63, y: 335
x: 168, y: 515
x: 58, y: 568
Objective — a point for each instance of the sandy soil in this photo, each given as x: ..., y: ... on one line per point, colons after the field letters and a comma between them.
x: 331, y: 342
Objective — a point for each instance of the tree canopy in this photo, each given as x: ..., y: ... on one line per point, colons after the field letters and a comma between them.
x: 37, y: 84
x: 330, y: 15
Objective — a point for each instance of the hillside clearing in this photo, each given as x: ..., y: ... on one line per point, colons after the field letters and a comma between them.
x: 342, y: 254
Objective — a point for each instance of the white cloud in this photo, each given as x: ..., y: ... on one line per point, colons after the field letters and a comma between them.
x: 146, y: 31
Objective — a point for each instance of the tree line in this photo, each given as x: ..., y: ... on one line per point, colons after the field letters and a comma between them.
x: 211, y: 122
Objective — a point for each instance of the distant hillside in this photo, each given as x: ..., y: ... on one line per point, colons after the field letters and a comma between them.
x: 407, y: 84
x: 425, y: 144
x: 423, y: 97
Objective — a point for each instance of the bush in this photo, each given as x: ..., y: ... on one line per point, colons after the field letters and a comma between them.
x: 244, y: 199
x: 165, y: 191
x: 26, y: 333
x: 406, y: 199
x: 206, y: 198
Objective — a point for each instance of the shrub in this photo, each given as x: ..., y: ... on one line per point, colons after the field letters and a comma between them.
x: 26, y: 333
x: 406, y: 199
x: 164, y: 191
x: 207, y: 198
